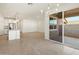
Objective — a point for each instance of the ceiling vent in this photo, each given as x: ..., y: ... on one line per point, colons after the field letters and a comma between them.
x: 30, y: 3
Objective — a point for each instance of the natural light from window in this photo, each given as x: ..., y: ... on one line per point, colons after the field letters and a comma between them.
x: 73, y: 20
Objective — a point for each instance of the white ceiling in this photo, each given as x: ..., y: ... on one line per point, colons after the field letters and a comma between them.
x: 25, y: 10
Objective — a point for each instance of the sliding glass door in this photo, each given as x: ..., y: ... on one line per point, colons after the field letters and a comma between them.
x: 55, y: 27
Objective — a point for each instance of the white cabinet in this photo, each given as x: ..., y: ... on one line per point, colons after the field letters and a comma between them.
x: 14, y: 34
x: 18, y: 34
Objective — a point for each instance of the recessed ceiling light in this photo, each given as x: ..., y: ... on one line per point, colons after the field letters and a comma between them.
x: 56, y: 9
x: 41, y: 11
x: 58, y: 5
x: 48, y: 7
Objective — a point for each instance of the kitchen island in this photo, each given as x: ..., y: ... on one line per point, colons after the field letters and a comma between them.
x: 14, y: 34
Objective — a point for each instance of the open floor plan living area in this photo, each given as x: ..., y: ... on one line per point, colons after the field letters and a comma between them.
x: 39, y: 29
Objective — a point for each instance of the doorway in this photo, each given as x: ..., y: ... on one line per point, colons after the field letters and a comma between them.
x: 55, y: 26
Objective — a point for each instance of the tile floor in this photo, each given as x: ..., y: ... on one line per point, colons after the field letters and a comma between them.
x: 72, y: 42
x: 34, y: 44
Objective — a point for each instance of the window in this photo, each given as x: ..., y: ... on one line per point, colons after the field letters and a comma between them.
x: 73, y: 20
x: 53, y: 23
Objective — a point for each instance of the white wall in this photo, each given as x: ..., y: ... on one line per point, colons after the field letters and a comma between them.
x: 33, y: 25
x: 1, y: 25
x: 46, y: 26
x: 41, y: 24
x: 29, y: 25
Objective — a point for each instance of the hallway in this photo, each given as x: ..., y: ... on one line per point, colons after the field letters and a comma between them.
x: 34, y: 44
